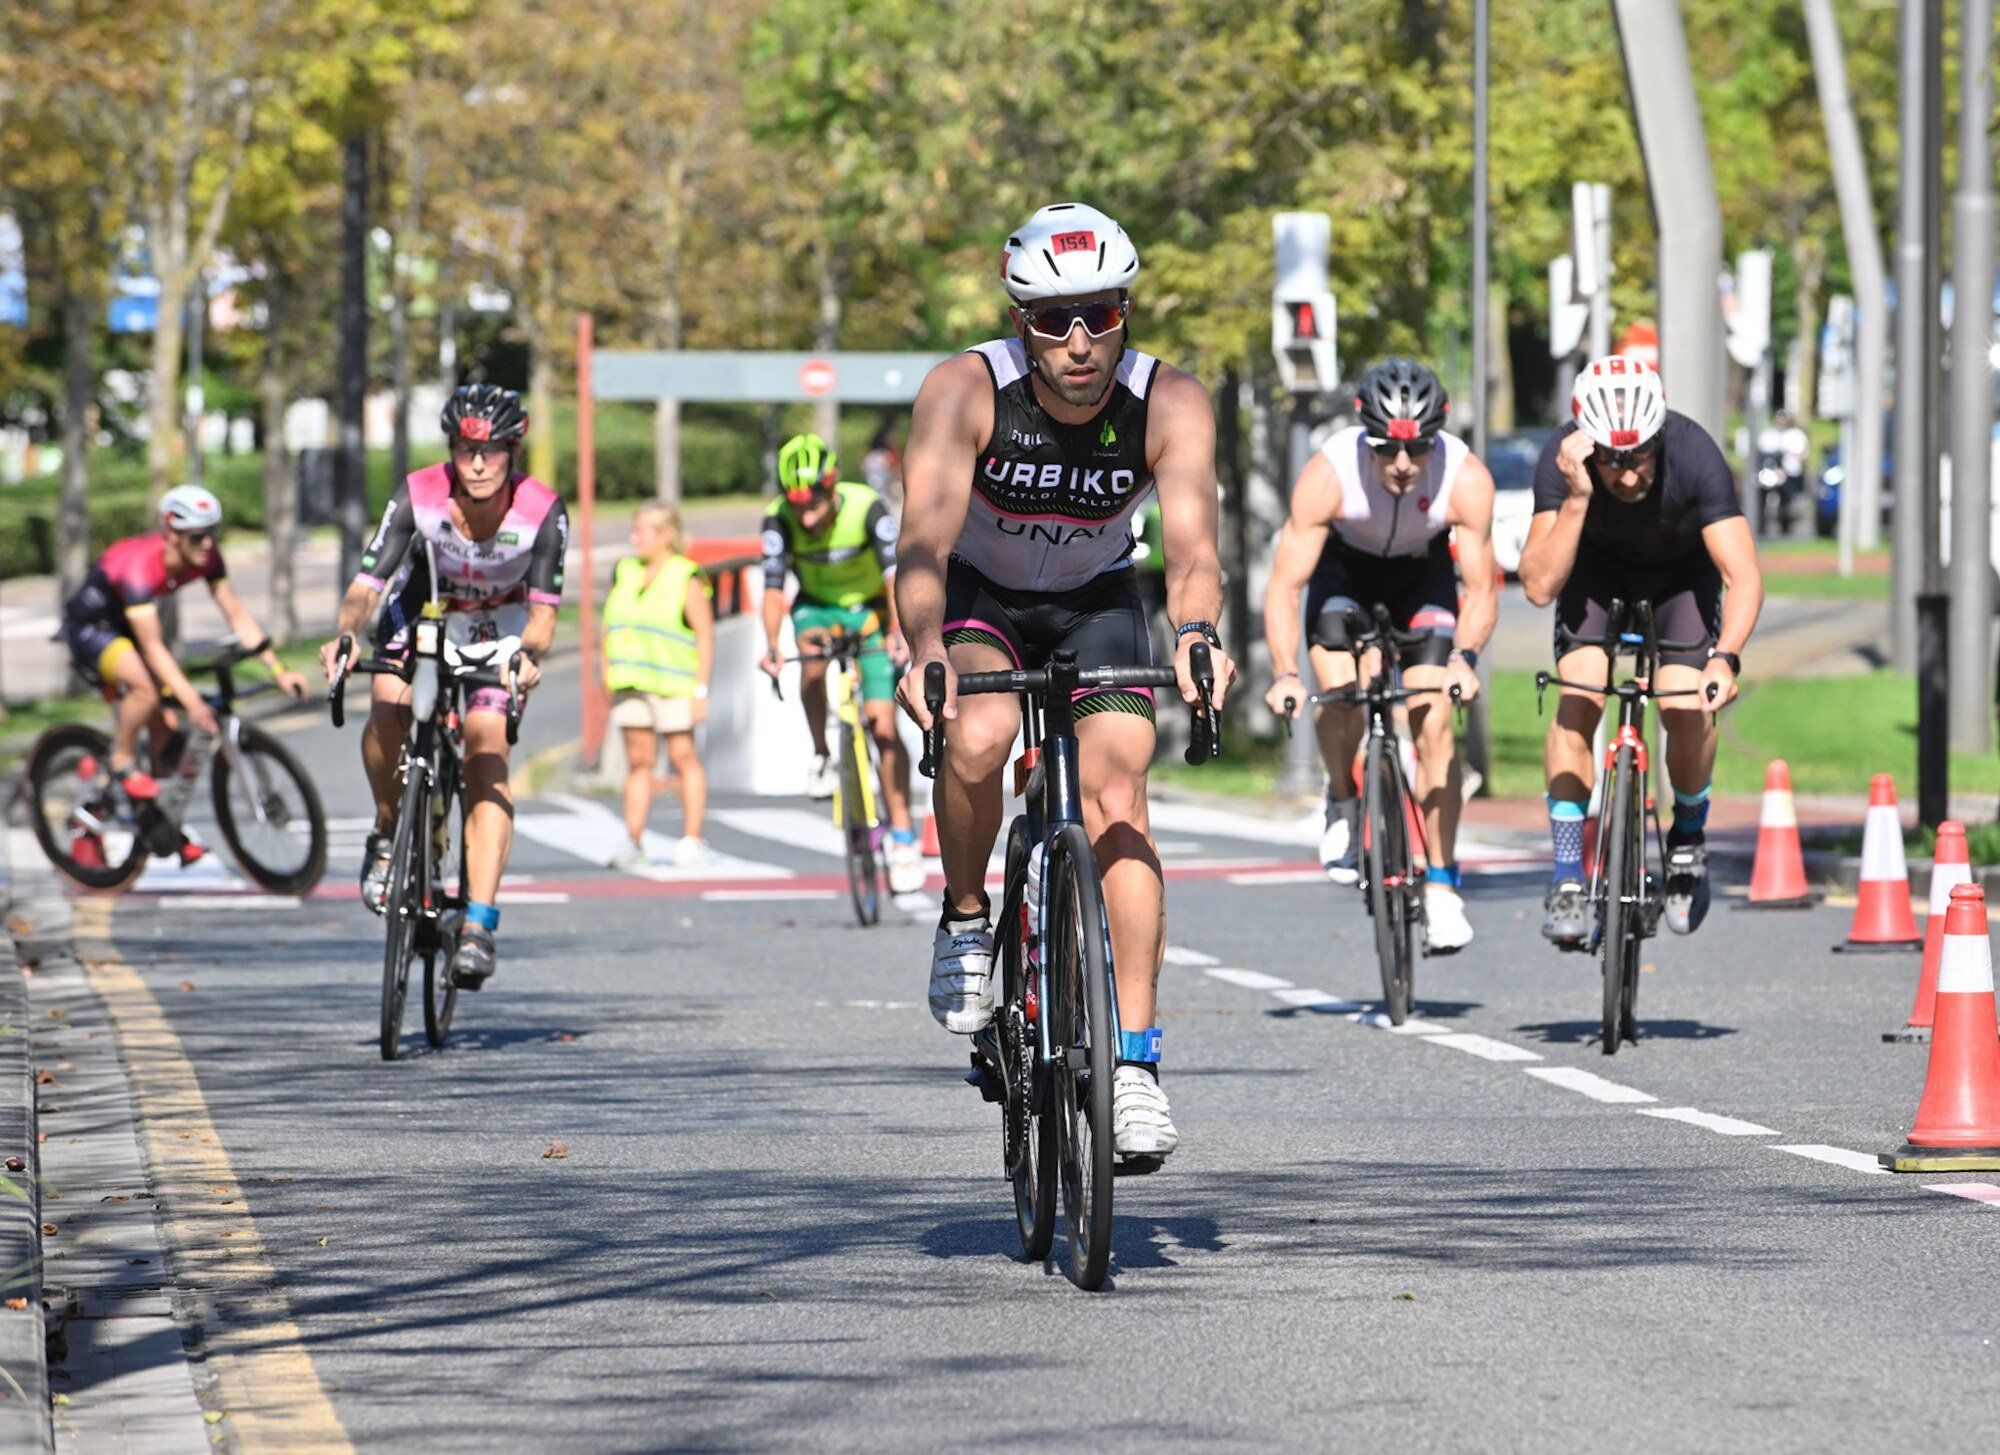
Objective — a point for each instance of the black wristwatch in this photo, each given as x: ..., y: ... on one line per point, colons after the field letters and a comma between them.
x: 1206, y: 628
x: 1470, y: 656
x: 1735, y: 662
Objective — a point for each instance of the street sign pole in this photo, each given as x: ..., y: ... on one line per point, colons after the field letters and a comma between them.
x: 1478, y: 731
x: 1971, y: 588
x: 596, y: 710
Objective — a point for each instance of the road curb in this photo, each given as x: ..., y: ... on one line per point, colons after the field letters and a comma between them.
x: 25, y: 1411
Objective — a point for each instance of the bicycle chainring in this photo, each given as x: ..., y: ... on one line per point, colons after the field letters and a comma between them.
x: 1017, y: 1049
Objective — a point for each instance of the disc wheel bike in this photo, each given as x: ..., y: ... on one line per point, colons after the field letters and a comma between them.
x: 265, y: 806
x: 1394, y: 850
x: 423, y: 908
x: 1624, y: 894
x: 1050, y: 1054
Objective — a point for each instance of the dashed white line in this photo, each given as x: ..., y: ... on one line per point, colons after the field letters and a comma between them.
x: 1254, y: 980
x: 532, y: 896
x: 1984, y: 1192
x: 1707, y: 1120
x: 1838, y: 1156
x: 1273, y: 876
x: 724, y: 896
x: 1317, y: 1000
x: 1588, y: 1083
x: 1182, y: 955
x: 1485, y: 1047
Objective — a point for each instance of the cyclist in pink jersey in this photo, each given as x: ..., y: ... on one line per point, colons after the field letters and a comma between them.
x: 495, y: 539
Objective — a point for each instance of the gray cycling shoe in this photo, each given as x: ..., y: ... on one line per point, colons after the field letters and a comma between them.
x: 1565, y: 926
x: 375, y: 871
x: 472, y: 962
x: 1340, y: 842
x: 1687, y: 893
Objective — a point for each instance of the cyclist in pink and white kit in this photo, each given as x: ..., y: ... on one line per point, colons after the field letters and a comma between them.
x: 496, y: 539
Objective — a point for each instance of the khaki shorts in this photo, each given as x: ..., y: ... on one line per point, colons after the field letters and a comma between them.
x: 634, y: 709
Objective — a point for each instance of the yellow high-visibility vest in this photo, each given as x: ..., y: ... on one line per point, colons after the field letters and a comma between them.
x: 648, y: 645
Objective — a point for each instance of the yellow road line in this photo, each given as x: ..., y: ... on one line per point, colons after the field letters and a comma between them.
x: 269, y: 1394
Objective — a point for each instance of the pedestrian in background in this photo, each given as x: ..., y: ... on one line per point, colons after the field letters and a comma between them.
x: 659, y: 651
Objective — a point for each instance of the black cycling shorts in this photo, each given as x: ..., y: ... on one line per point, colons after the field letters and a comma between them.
x: 1102, y: 621
x: 1421, y: 593
x: 1686, y: 597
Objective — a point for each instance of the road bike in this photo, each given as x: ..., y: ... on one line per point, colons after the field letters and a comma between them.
x: 1049, y: 1056
x: 1394, y: 849
x: 423, y: 909
x: 265, y: 805
x: 1624, y: 894
x: 857, y: 805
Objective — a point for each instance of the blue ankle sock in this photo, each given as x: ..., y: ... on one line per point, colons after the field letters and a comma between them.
x: 902, y: 836
x: 1140, y: 1046
x: 1566, y: 829
x: 1690, y: 812
x: 486, y: 916
x: 1443, y: 874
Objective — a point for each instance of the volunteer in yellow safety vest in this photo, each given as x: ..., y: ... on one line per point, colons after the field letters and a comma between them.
x: 659, y: 650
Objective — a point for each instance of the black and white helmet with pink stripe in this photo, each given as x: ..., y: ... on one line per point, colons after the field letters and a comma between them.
x: 1619, y: 402
x: 1401, y: 399
x: 1067, y: 250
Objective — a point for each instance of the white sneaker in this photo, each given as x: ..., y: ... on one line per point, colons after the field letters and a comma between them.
x: 962, y: 975
x: 906, y: 868
x: 820, y: 781
x: 631, y: 859
x: 1141, y: 1125
x: 692, y: 854
x: 1340, y: 843
x: 1446, y: 928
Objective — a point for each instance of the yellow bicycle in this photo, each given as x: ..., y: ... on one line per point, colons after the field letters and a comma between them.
x: 857, y: 803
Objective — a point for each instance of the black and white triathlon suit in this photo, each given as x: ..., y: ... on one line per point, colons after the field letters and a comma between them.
x: 1391, y: 550
x: 1044, y: 561
x: 1649, y: 549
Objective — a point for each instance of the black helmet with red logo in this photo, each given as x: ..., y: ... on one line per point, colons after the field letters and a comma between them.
x: 1401, y: 399
x: 484, y: 412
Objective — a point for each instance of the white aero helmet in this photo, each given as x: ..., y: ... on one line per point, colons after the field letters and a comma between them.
x: 1064, y: 251
x: 1619, y: 402
x: 189, y: 507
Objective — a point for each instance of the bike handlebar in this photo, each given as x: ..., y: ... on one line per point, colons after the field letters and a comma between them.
x: 465, y: 674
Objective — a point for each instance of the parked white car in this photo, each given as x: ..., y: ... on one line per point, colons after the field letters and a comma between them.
x: 1511, y: 458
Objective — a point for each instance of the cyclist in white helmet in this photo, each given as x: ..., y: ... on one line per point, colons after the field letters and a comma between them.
x: 112, y: 628
x: 1634, y: 502
x: 1029, y: 460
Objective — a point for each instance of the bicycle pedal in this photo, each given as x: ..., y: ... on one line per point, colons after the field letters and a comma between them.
x: 1137, y: 1166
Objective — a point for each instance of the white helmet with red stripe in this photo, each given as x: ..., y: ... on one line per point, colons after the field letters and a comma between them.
x: 1067, y: 250
x: 1619, y: 402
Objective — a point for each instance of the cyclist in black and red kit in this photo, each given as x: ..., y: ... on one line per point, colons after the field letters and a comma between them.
x: 1634, y: 502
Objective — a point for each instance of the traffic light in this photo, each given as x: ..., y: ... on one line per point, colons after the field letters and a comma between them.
x: 1303, y: 317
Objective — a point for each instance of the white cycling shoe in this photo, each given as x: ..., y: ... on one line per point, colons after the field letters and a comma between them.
x: 1141, y: 1124
x: 1340, y: 842
x: 1446, y: 929
x: 820, y: 781
x: 962, y: 975
x: 906, y: 868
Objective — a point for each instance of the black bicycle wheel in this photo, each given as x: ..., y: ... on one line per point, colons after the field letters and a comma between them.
x: 1082, y: 1032
x: 864, y: 873
x: 270, y: 817
x: 81, y: 820
x: 1030, y: 1141
x: 447, y: 846
x: 1618, y: 840
x: 403, y: 910
x: 1389, y: 880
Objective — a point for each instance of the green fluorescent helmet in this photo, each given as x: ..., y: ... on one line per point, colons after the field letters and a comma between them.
x: 806, y: 465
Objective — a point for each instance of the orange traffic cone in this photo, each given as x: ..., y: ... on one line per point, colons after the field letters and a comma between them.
x: 1882, y: 918
x: 1952, y: 867
x: 1958, y: 1121
x: 1778, y: 876
x: 930, y: 839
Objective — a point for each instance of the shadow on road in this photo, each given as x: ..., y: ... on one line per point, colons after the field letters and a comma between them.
x: 1572, y: 1033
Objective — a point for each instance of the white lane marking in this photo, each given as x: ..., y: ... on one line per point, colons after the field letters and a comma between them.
x: 1984, y: 1192
x: 206, y: 902
x: 719, y: 896
x: 1182, y: 955
x: 532, y: 896
x: 596, y: 835
x: 1707, y: 1120
x: 1251, y: 863
x: 1484, y: 1047
x: 351, y: 825
x: 1252, y: 979
x: 1838, y: 1156
x: 1589, y: 1083
x: 1273, y: 876
x: 811, y: 830
x: 1378, y: 1020
x: 1317, y: 1000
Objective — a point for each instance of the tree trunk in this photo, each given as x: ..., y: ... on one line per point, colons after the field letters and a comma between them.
x: 826, y: 335
x: 1499, y: 364
x: 79, y: 397
x: 280, y: 491
x: 164, y: 457
x: 399, y: 366
x: 351, y: 463
x: 667, y: 450
x: 1809, y: 273
x: 542, y: 374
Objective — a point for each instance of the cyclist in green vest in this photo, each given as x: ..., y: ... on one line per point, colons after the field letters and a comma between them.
x: 840, y: 539
x: 659, y: 649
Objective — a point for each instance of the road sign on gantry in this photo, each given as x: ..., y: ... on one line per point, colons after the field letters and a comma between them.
x: 1302, y: 307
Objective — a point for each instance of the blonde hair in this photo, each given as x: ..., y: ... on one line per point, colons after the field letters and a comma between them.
x: 667, y: 518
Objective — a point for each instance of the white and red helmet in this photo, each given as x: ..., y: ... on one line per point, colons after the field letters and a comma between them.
x: 190, y: 507
x: 1619, y: 402
x: 1067, y: 250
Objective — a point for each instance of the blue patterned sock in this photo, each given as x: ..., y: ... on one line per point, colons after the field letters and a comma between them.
x: 1444, y: 874
x: 486, y: 916
x: 1566, y: 829
x: 1690, y: 813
